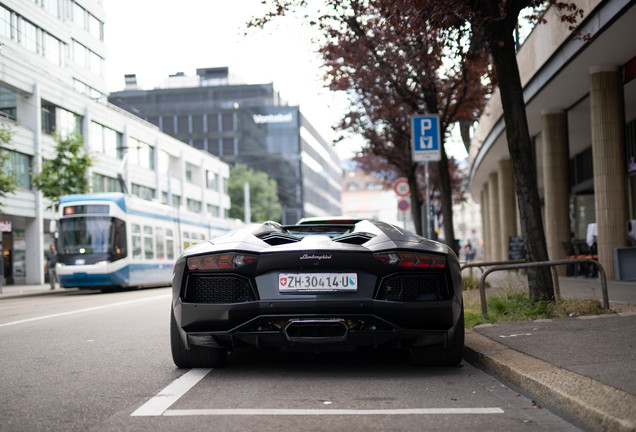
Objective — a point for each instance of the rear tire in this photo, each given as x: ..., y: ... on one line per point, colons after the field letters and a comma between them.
x: 439, y: 355
x: 196, y: 356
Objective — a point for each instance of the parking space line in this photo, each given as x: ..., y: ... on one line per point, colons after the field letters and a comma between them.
x: 165, y: 398
x: 159, y: 405
x: 327, y: 411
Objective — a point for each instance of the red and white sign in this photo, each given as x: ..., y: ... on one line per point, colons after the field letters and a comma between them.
x: 5, y: 226
x: 404, y: 205
x: 401, y: 187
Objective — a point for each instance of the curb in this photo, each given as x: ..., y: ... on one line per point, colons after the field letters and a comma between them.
x: 596, y: 405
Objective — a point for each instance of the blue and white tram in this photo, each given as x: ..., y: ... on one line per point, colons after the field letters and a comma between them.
x: 111, y: 240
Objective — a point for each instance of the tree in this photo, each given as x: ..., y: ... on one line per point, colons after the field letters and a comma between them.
x: 66, y: 172
x: 493, y: 21
x: 7, y: 179
x: 264, y: 203
x: 496, y: 21
x: 393, y: 70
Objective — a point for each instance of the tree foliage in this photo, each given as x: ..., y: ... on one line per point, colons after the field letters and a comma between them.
x: 66, y: 172
x: 7, y: 179
x: 392, y: 70
x: 488, y: 23
x: 264, y: 203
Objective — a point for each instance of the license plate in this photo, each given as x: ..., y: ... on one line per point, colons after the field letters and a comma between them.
x: 317, y: 282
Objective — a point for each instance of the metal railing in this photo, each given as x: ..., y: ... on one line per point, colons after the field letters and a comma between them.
x: 521, y: 264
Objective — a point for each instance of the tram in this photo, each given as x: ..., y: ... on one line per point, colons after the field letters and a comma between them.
x: 110, y: 241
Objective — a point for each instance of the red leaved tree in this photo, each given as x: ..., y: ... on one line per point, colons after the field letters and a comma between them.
x: 393, y: 67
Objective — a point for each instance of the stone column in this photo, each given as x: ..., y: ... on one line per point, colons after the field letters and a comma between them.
x: 555, y: 184
x: 485, y: 224
x: 493, y: 211
x: 507, y: 213
x: 607, y: 117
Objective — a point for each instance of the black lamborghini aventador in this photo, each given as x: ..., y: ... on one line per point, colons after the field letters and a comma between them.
x: 327, y: 284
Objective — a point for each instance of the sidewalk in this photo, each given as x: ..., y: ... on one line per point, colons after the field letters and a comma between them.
x: 14, y: 291
x: 584, y: 368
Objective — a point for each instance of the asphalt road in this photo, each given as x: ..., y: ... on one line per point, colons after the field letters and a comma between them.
x: 89, y: 361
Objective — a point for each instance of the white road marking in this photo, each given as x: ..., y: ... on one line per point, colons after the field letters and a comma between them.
x: 165, y: 398
x: 515, y: 335
x: 160, y: 404
x: 327, y: 411
x: 73, y: 312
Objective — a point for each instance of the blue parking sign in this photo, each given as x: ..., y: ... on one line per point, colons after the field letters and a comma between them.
x: 425, y: 138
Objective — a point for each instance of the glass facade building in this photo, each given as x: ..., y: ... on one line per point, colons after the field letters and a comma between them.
x: 245, y: 124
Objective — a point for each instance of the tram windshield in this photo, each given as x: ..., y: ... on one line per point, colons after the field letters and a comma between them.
x: 92, y: 235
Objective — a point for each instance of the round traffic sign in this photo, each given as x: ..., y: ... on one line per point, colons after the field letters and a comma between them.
x: 401, y: 187
x: 404, y: 205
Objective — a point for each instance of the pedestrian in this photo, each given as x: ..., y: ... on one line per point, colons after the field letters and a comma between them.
x: 469, y: 253
x: 51, y: 262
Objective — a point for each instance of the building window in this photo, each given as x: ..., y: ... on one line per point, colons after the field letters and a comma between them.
x: 106, y: 140
x: 68, y: 123
x: 60, y: 121
x: 52, y: 7
x: 48, y: 118
x: 79, y: 54
x: 27, y: 35
x: 213, y: 210
x: 5, y: 22
x: 227, y: 122
x: 193, y: 205
x: 143, y: 192
x: 52, y: 48
x: 228, y: 147
x: 211, y: 180
x: 8, y: 104
x: 95, y: 64
x: 189, y: 171
x: 141, y: 154
x: 95, y: 27
x: 20, y: 168
x: 183, y: 124
x: 102, y: 183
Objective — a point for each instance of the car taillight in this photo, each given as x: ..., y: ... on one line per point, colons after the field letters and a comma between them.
x: 411, y: 259
x: 221, y: 261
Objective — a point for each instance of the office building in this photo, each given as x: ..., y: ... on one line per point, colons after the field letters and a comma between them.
x: 245, y: 123
x: 52, y: 57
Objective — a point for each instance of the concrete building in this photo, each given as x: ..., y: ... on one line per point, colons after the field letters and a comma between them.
x: 581, y: 106
x: 52, y: 59
x: 367, y: 196
x: 245, y: 123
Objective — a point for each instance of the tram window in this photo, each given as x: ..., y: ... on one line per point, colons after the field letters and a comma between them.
x: 149, y: 250
x: 119, y: 238
x: 136, y: 240
x: 159, y: 241
x: 169, y: 244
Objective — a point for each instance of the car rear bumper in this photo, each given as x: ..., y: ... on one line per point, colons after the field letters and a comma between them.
x: 314, y: 324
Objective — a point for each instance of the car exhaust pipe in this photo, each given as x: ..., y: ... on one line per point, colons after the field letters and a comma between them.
x: 316, y: 331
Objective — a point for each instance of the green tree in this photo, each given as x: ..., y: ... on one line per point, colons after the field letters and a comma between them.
x: 264, y: 203
x: 7, y: 179
x: 66, y: 173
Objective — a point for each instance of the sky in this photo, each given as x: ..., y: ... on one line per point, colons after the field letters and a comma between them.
x: 156, y: 38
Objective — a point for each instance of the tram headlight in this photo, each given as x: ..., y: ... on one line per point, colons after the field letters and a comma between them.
x: 101, y: 263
